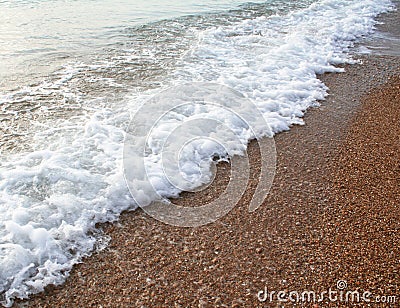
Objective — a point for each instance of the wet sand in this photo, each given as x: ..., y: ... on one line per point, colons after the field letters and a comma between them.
x: 332, y: 214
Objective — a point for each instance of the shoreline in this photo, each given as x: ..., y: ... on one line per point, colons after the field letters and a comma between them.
x: 315, y: 227
x: 290, y: 243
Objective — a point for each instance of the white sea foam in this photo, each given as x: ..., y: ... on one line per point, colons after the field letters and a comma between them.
x: 52, y: 199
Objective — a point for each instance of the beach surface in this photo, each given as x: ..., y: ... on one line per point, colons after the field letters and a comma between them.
x: 331, y: 219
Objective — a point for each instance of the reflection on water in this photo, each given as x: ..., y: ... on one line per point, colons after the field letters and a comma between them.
x: 37, y: 36
x: 386, y: 40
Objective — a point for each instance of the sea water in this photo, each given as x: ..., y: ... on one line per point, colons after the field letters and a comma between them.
x: 74, y: 72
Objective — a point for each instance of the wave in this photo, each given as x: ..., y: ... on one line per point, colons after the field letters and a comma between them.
x: 70, y: 175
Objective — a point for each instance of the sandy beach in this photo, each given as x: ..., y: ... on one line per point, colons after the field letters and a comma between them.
x: 326, y: 235
x: 330, y: 220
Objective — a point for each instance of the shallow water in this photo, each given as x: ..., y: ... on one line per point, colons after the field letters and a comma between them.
x: 72, y: 81
x: 38, y: 36
x: 386, y: 40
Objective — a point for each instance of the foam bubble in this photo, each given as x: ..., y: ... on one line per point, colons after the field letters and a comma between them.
x: 52, y: 199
